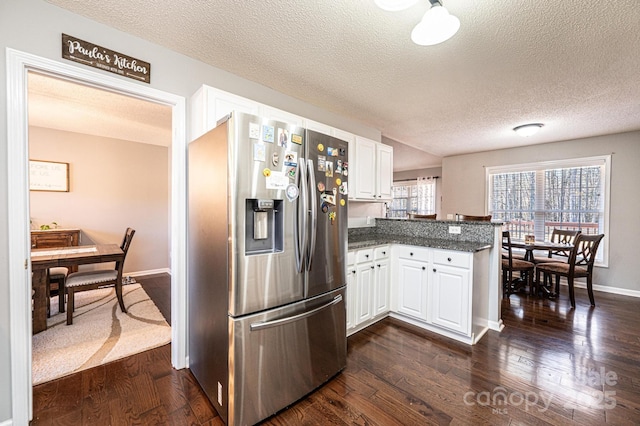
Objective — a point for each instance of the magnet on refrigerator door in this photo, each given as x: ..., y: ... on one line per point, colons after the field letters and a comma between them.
x: 259, y: 152
x: 254, y: 131
x: 329, y: 169
x: 283, y: 137
x: 345, y: 168
x: 291, y: 159
x: 267, y: 133
x: 328, y: 198
x: 322, y: 161
x: 297, y: 139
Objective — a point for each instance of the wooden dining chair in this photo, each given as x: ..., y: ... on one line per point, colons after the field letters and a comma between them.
x: 564, y: 236
x: 58, y: 276
x: 91, y: 280
x: 486, y: 218
x: 511, y: 265
x: 579, y: 265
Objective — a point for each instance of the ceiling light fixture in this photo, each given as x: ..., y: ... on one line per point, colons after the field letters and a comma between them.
x: 436, y: 26
x: 395, y: 5
x: 527, y: 130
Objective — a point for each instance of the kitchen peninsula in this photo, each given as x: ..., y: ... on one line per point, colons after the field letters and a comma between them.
x: 443, y: 276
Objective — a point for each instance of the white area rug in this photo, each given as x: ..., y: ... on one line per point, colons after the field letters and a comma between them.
x: 100, y: 332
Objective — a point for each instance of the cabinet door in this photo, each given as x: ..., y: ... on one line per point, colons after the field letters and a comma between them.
x: 351, y: 158
x: 364, y: 288
x: 365, y: 169
x: 449, y: 299
x: 412, y: 288
x: 317, y: 127
x: 384, y: 168
x: 381, y: 295
x: 280, y: 115
x: 352, y: 296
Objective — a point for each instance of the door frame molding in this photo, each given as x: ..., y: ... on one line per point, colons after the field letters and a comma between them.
x: 18, y: 65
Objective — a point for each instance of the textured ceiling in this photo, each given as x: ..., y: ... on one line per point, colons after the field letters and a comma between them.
x: 63, y: 105
x: 571, y: 64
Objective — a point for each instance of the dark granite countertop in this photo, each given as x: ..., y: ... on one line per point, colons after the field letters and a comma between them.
x: 374, y: 239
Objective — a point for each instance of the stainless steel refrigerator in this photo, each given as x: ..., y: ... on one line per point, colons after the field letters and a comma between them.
x: 267, y: 247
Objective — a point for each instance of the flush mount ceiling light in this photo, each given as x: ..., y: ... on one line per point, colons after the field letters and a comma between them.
x: 395, y: 5
x: 436, y: 26
x: 527, y: 130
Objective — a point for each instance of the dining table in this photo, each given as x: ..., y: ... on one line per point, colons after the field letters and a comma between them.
x: 43, y: 259
x: 547, y: 246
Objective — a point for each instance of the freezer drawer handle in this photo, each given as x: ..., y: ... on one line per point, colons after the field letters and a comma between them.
x: 261, y: 325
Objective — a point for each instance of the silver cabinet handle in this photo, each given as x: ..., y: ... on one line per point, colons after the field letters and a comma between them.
x: 282, y: 321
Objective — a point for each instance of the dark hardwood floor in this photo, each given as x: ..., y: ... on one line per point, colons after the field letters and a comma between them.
x: 550, y: 365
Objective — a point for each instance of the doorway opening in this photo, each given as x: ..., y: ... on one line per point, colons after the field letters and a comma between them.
x: 115, y: 149
x: 18, y: 66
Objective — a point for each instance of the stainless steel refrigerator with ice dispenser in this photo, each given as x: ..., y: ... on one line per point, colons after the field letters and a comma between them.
x: 267, y: 246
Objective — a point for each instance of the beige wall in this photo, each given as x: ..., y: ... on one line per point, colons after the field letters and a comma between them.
x: 113, y: 184
x: 463, y: 181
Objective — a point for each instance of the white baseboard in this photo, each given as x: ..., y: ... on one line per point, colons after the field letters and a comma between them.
x: 8, y: 422
x: 149, y: 272
x: 604, y: 288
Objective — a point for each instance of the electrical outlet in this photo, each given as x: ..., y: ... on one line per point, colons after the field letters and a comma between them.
x: 220, y: 394
x: 449, y: 216
x: 455, y: 230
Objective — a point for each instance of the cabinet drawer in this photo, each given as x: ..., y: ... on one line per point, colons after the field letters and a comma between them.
x: 412, y: 252
x: 381, y: 252
x: 365, y: 255
x: 459, y: 259
x: 351, y: 258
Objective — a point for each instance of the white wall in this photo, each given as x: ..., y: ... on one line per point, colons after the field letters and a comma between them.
x: 35, y: 27
x: 114, y: 184
x: 464, y: 191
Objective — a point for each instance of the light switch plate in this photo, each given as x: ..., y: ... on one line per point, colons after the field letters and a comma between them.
x: 455, y: 229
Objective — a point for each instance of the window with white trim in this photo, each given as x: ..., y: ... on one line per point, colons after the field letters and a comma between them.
x: 538, y: 197
x: 413, y: 197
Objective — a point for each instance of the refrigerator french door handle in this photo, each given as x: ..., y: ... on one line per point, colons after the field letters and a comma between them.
x: 282, y: 321
x: 302, y: 214
x: 297, y: 235
x: 313, y: 210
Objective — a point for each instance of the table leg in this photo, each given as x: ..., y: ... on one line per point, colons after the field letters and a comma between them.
x: 39, y: 285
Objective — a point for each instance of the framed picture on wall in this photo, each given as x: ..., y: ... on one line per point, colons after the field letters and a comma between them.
x: 48, y: 176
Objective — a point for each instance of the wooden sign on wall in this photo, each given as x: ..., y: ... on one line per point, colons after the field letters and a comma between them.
x: 99, y: 57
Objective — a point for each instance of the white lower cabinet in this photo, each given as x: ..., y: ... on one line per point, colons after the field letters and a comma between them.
x: 449, y: 298
x: 364, y: 292
x: 381, y: 286
x: 367, y: 287
x: 444, y: 291
x: 351, y: 290
x: 412, y: 288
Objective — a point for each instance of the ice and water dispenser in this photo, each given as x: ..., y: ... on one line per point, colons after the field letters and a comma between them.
x: 264, y: 226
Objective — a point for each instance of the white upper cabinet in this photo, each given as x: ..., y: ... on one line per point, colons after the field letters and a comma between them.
x: 374, y: 170
x: 370, y: 163
x: 318, y: 127
x: 279, y: 115
x: 208, y: 105
x: 384, y: 167
x: 365, y: 154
